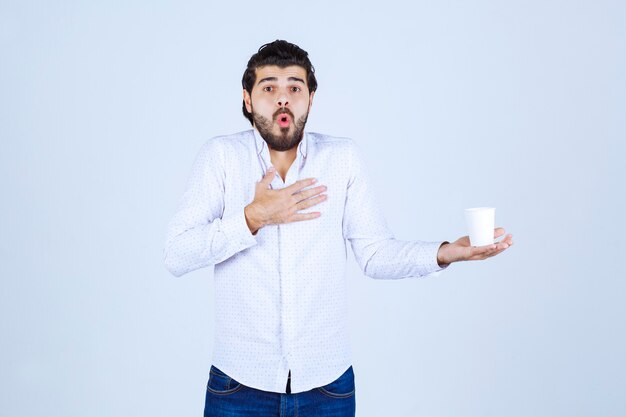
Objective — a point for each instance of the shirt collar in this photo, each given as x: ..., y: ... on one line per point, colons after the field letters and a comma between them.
x: 261, y: 144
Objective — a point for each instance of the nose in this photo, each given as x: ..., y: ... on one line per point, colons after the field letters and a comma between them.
x: 282, y: 100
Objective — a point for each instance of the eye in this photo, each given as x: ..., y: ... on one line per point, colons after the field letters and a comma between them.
x: 265, y: 88
x: 296, y: 89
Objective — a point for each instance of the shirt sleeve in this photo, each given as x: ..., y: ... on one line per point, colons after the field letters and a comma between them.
x: 377, y: 252
x: 198, y: 235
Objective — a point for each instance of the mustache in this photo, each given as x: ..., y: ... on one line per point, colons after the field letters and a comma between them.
x: 283, y: 111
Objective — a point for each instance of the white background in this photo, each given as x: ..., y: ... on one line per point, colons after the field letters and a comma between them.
x: 515, y: 105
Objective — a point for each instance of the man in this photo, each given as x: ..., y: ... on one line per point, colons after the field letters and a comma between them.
x: 278, y: 242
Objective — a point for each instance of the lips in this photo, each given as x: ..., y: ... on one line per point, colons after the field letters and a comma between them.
x: 283, y: 120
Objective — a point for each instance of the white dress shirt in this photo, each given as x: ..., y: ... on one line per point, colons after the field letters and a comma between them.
x: 280, y: 295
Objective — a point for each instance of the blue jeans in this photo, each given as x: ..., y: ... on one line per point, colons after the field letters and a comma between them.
x: 226, y: 397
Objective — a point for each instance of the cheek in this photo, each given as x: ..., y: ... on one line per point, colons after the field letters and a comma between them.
x: 258, y: 98
x: 302, y: 106
x: 259, y: 107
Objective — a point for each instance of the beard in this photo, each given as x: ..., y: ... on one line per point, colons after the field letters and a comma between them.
x: 282, y: 141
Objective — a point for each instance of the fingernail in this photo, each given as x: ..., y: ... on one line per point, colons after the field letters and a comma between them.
x: 270, y: 169
x: 314, y: 180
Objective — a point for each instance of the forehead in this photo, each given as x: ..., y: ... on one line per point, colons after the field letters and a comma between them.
x: 281, y: 74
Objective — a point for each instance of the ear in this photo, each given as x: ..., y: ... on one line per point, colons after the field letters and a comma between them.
x: 311, y: 99
x: 247, y: 100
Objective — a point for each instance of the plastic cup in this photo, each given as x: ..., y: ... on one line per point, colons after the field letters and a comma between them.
x: 481, y: 222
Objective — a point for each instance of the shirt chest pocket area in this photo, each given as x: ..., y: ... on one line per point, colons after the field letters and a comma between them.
x: 241, y: 192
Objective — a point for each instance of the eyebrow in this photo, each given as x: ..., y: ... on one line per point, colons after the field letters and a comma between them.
x: 276, y: 79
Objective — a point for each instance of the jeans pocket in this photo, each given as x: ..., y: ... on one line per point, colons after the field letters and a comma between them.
x: 220, y: 383
x: 342, y: 387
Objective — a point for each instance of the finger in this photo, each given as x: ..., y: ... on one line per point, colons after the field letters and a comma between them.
x: 478, y: 252
x: 494, y: 253
x: 508, y: 239
x: 311, y: 202
x: 269, y: 176
x: 500, y: 247
x: 498, y: 231
x: 298, y: 185
x: 303, y: 195
x: 297, y: 217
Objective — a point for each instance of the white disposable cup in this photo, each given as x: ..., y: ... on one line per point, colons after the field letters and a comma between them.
x: 481, y: 222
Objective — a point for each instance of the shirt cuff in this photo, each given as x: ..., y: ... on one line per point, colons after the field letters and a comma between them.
x: 236, y: 229
x: 434, y: 266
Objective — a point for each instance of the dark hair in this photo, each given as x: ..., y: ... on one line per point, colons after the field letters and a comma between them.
x: 282, y: 54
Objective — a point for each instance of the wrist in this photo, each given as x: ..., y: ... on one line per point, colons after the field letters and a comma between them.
x: 442, y: 260
x: 253, y: 223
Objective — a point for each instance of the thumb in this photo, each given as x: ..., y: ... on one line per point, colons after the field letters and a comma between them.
x: 269, y: 176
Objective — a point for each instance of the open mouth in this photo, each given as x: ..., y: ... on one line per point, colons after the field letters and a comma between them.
x: 283, y: 120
